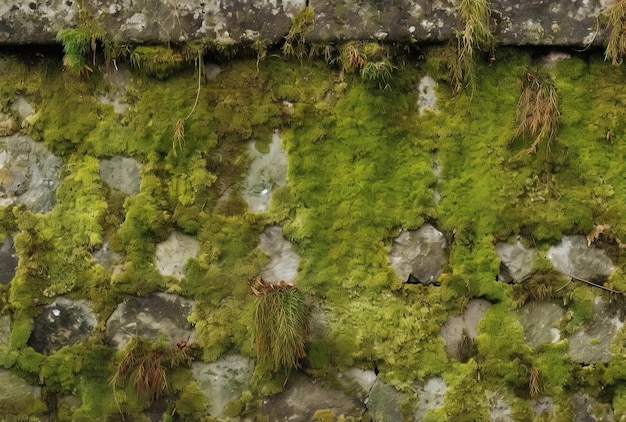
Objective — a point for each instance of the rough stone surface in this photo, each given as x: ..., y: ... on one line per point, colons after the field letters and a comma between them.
x: 109, y: 259
x: 573, y: 257
x: 358, y: 380
x: 122, y: 173
x: 540, y: 320
x: 8, y: 261
x: 29, y: 173
x: 62, y: 323
x: 544, y: 406
x: 152, y: 316
x: 284, y: 260
x: 223, y: 381
x: 266, y: 173
x: 534, y: 22
x: 516, y: 261
x: 587, y: 409
x: 500, y: 410
x: 593, y: 344
x: 419, y: 254
x: 430, y: 396
x: 427, y: 97
x: 384, y: 402
x: 172, y: 254
x: 302, y: 396
x: 452, y: 330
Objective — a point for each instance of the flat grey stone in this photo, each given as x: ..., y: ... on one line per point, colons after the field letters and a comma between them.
x: 384, y: 402
x: 223, y: 381
x: 284, y: 262
x: 540, y: 321
x: 8, y: 260
x: 152, y: 316
x: 573, y: 257
x: 29, y: 173
x: 430, y: 396
x: 452, y: 330
x: 516, y: 261
x: 266, y: 173
x: 172, y: 254
x: 122, y: 173
x: 419, y: 253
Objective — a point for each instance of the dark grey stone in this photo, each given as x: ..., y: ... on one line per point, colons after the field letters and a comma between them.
x: 8, y: 261
x: 419, y: 254
x: 152, y: 316
x: 64, y: 322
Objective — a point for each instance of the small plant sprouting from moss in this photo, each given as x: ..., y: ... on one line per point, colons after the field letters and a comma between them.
x: 369, y: 60
x: 475, y: 36
x: 616, y: 40
x: 538, y: 110
x: 534, y: 383
x: 76, y: 44
x: 144, y: 367
x: 281, y: 324
x: 295, y: 40
x: 179, y: 128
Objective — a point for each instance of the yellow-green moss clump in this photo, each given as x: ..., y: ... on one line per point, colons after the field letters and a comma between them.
x: 360, y: 169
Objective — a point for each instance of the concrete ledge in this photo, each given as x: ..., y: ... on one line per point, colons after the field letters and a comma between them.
x: 531, y: 22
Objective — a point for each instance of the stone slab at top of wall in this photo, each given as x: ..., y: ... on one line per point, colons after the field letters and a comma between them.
x: 528, y: 22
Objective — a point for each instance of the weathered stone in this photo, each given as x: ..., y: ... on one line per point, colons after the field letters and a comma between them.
x: 161, y: 21
x: 593, y: 344
x: 544, y: 406
x: 29, y: 173
x: 302, y: 396
x: 540, y: 320
x: 398, y: 20
x: 419, y: 254
x: 172, y: 254
x: 516, y: 261
x: 453, y: 330
x: 35, y: 22
x: 8, y: 261
x: 500, y: 410
x: 427, y: 97
x: 223, y: 381
x: 109, y: 259
x: 152, y: 316
x: 384, y: 402
x: 358, y: 381
x: 429, y: 396
x: 121, y: 173
x: 536, y: 22
x: 266, y: 173
x: 283, y: 265
x: 573, y: 257
x: 588, y: 409
x: 62, y: 323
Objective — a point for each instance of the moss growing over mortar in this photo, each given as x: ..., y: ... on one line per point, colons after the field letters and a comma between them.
x: 360, y: 169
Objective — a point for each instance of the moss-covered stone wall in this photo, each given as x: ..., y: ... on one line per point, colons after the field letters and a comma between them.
x: 360, y: 168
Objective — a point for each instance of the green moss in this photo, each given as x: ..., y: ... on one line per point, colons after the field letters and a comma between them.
x: 191, y: 403
x: 360, y: 168
x: 464, y: 398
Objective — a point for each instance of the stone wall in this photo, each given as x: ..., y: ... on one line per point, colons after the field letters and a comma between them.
x: 532, y: 22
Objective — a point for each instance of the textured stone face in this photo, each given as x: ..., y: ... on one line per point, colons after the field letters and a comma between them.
x: 532, y: 22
